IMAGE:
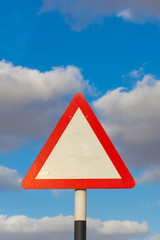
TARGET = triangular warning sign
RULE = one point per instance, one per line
(78, 155)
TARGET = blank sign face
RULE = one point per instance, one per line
(78, 154)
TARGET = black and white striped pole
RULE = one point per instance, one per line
(80, 214)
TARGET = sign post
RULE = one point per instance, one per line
(78, 155)
(80, 214)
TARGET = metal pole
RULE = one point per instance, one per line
(80, 214)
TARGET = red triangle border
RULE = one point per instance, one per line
(79, 101)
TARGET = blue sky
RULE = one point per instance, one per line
(109, 51)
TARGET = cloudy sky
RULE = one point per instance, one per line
(109, 51)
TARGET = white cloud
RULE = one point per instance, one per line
(60, 227)
(137, 74)
(116, 229)
(59, 192)
(9, 179)
(132, 120)
(150, 176)
(20, 86)
(79, 14)
(126, 15)
(156, 237)
(31, 101)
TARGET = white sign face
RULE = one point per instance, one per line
(78, 155)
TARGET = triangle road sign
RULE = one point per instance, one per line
(78, 155)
